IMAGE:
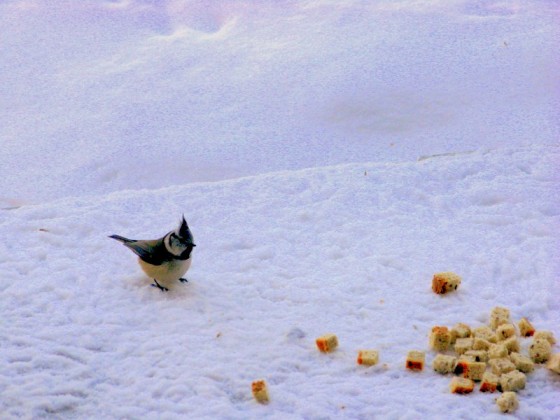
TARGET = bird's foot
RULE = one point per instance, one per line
(182, 280)
(159, 286)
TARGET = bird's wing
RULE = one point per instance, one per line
(151, 251)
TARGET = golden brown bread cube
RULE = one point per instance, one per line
(415, 360)
(470, 369)
(445, 282)
(260, 391)
(489, 382)
(526, 329)
(463, 344)
(368, 357)
(499, 316)
(522, 363)
(460, 330)
(512, 381)
(481, 344)
(545, 335)
(512, 344)
(440, 338)
(497, 351)
(477, 355)
(444, 364)
(554, 363)
(540, 350)
(327, 343)
(461, 385)
(505, 331)
(507, 402)
(501, 366)
(485, 333)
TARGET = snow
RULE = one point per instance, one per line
(329, 156)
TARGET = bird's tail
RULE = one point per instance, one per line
(121, 239)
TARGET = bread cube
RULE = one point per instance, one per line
(512, 344)
(461, 385)
(501, 366)
(481, 344)
(522, 363)
(546, 335)
(499, 316)
(540, 350)
(445, 282)
(260, 391)
(507, 402)
(485, 333)
(478, 355)
(470, 369)
(444, 364)
(554, 363)
(463, 344)
(512, 381)
(460, 330)
(415, 360)
(505, 331)
(368, 357)
(327, 343)
(440, 338)
(489, 382)
(497, 351)
(526, 329)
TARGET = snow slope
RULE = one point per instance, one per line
(100, 96)
(281, 259)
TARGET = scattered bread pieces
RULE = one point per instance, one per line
(489, 382)
(499, 316)
(507, 402)
(526, 329)
(368, 357)
(260, 391)
(440, 338)
(461, 385)
(554, 363)
(327, 343)
(445, 282)
(415, 360)
(444, 364)
(540, 350)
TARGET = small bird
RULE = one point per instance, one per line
(166, 259)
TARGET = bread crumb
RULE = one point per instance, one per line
(415, 360)
(507, 402)
(499, 316)
(327, 343)
(445, 282)
(461, 385)
(526, 329)
(540, 350)
(545, 335)
(512, 381)
(260, 391)
(489, 382)
(554, 363)
(368, 357)
(444, 364)
(440, 338)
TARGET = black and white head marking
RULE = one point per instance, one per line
(179, 242)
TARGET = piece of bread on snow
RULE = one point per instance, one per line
(512, 344)
(461, 385)
(460, 330)
(470, 369)
(440, 338)
(540, 350)
(554, 363)
(477, 355)
(522, 363)
(512, 381)
(499, 316)
(501, 366)
(445, 282)
(481, 344)
(260, 391)
(526, 329)
(368, 357)
(415, 360)
(489, 382)
(507, 402)
(327, 343)
(485, 333)
(444, 364)
(505, 331)
(497, 351)
(463, 344)
(546, 335)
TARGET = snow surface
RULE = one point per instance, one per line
(330, 157)
(281, 259)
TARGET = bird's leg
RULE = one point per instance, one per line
(159, 286)
(183, 280)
